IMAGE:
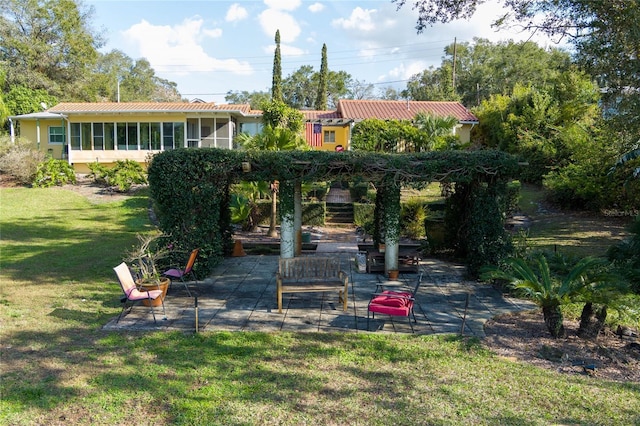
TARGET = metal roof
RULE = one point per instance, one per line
(402, 110)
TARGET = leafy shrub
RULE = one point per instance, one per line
(625, 256)
(412, 216)
(53, 172)
(512, 198)
(19, 160)
(315, 191)
(358, 191)
(123, 175)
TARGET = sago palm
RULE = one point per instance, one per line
(536, 282)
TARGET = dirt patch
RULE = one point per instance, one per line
(523, 337)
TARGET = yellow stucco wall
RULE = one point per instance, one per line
(464, 133)
(342, 138)
(29, 132)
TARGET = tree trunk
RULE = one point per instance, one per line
(553, 320)
(274, 211)
(591, 321)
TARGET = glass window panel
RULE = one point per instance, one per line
(178, 134)
(121, 136)
(108, 136)
(75, 136)
(98, 136)
(86, 136)
(167, 136)
(329, 136)
(132, 136)
(144, 136)
(155, 133)
(56, 134)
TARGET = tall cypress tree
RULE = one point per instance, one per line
(321, 98)
(276, 82)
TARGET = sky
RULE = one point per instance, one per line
(212, 47)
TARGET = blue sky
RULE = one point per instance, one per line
(211, 47)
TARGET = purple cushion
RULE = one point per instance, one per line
(175, 273)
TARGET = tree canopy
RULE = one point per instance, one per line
(48, 45)
(50, 50)
(604, 33)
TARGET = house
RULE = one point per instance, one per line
(84, 133)
(335, 131)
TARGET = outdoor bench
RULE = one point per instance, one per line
(310, 275)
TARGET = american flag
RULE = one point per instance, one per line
(313, 134)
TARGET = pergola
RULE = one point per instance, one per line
(211, 172)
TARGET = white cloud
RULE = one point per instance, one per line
(405, 71)
(360, 20)
(272, 20)
(236, 13)
(283, 4)
(178, 49)
(214, 33)
(316, 7)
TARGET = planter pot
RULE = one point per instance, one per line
(164, 286)
(393, 274)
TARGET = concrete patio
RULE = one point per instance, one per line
(240, 295)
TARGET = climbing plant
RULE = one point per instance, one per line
(190, 188)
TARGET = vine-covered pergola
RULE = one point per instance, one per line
(190, 188)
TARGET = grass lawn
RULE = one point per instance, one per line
(572, 233)
(59, 367)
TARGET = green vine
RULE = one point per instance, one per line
(389, 195)
(190, 188)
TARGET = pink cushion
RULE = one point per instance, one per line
(141, 295)
(397, 302)
(391, 310)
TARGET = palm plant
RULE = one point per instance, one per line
(274, 139)
(630, 156)
(244, 208)
(538, 284)
(435, 128)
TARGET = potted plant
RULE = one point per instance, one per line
(144, 258)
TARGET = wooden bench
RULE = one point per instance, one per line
(310, 275)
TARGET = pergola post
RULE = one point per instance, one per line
(297, 216)
(391, 225)
(287, 227)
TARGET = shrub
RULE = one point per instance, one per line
(412, 216)
(358, 191)
(20, 161)
(53, 172)
(123, 175)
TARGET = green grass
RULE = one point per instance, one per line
(59, 367)
(571, 233)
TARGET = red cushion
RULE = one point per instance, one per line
(391, 310)
(397, 302)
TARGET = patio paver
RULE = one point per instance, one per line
(240, 295)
